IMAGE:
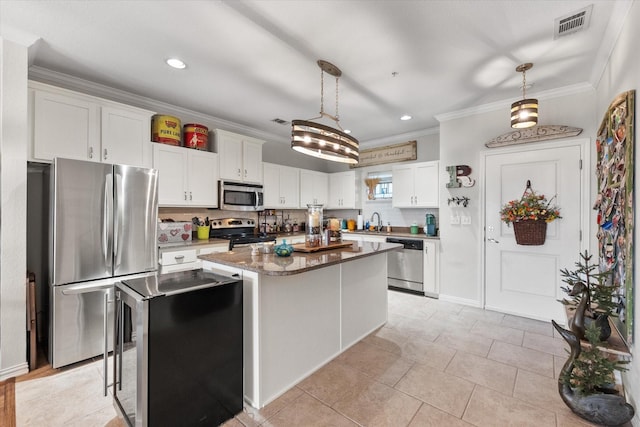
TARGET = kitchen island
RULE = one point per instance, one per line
(303, 310)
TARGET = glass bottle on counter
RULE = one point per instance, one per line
(313, 236)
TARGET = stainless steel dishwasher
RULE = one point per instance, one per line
(406, 266)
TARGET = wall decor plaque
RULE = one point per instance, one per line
(388, 154)
(533, 134)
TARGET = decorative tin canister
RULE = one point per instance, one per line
(196, 136)
(166, 129)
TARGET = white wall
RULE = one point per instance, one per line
(461, 143)
(13, 203)
(622, 74)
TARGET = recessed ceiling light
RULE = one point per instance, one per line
(406, 117)
(176, 63)
(347, 131)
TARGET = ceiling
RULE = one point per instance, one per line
(249, 62)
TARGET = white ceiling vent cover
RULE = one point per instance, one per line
(572, 23)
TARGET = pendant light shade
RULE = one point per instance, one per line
(323, 141)
(524, 113)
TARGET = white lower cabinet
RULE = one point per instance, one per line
(187, 177)
(172, 260)
(432, 268)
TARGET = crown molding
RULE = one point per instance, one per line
(66, 81)
(506, 104)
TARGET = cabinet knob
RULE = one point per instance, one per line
(91, 152)
(105, 154)
(185, 195)
(190, 196)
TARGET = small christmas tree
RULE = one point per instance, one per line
(593, 371)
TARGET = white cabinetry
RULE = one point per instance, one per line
(240, 157)
(187, 177)
(431, 268)
(314, 188)
(416, 185)
(342, 190)
(73, 125)
(172, 259)
(281, 186)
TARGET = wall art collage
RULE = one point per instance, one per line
(615, 203)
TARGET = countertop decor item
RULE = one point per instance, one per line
(530, 215)
(283, 249)
(319, 140)
(524, 113)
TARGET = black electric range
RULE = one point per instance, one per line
(239, 231)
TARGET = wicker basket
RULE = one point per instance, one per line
(530, 232)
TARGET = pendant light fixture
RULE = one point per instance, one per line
(524, 113)
(319, 140)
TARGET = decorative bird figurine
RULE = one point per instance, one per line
(580, 321)
(605, 409)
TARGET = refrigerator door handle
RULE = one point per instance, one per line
(105, 353)
(117, 220)
(107, 221)
(83, 289)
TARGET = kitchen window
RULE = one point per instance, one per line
(384, 189)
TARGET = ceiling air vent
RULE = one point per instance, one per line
(572, 23)
(280, 121)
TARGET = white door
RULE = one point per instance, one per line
(525, 280)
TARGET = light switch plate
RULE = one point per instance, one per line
(455, 219)
(465, 220)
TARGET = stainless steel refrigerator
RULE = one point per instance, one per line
(102, 230)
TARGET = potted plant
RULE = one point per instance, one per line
(591, 297)
(530, 215)
(586, 381)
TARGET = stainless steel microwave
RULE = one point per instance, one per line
(238, 196)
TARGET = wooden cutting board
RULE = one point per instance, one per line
(300, 247)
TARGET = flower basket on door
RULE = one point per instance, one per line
(530, 215)
(530, 232)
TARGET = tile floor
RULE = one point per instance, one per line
(433, 364)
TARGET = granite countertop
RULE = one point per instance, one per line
(297, 262)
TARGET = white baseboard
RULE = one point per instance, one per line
(461, 301)
(14, 371)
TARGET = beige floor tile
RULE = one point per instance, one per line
(309, 412)
(569, 419)
(475, 313)
(388, 339)
(101, 417)
(378, 405)
(333, 381)
(254, 417)
(531, 325)
(233, 422)
(538, 390)
(427, 353)
(444, 391)
(489, 408)
(428, 416)
(408, 326)
(523, 358)
(485, 372)
(375, 362)
(558, 363)
(466, 341)
(498, 332)
(545, 344)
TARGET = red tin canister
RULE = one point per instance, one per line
(196, 136)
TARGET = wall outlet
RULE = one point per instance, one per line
(455, 219)
(465, 220)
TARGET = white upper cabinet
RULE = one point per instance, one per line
(240, 157)
(342, 190)
(281, 186)
(72, 125)
(187, 177)
(416, 185)
(314, 188)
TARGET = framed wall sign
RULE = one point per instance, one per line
(388, 154)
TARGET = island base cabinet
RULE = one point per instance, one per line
(295, 324)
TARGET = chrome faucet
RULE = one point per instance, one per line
(379, 226)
